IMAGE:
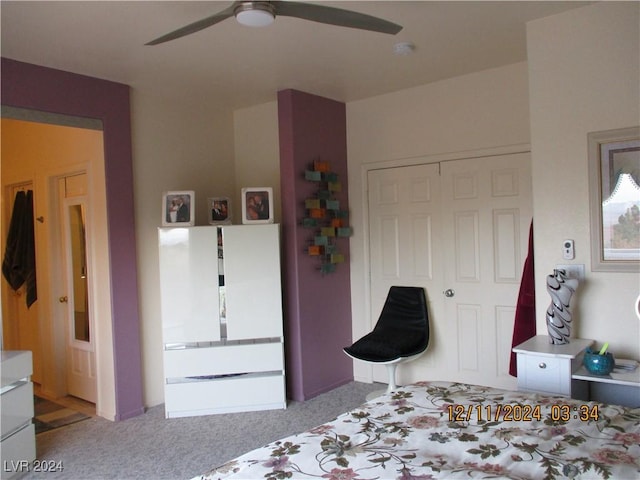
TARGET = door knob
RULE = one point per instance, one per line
(63, 299)
(449, 293)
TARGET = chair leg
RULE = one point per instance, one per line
(391, 370)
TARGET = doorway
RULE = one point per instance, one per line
(41, 154)
(55, 93)
(458, 228)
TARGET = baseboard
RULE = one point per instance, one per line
(326, 388)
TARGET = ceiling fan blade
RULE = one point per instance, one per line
(335, 16)
(195, 26)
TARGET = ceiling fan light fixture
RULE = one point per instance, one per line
(255, 14)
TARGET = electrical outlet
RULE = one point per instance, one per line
(574, 270)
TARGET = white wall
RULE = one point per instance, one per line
(474, 112)
(175, 147)
(257, 153)
(584, 77)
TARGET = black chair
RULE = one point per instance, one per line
(400, 335)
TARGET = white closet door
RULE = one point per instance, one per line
(189, 284)
(252, 281)
(406, 249)
(462, 235)
(487, 212)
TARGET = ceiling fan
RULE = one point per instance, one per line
(262, 13)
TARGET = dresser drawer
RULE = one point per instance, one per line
(18, 451)
(235, 394)
(544, 374)
(223, 360)
(16, 366)
(16, 406)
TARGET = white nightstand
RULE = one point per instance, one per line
(547, 368)
(619, 387)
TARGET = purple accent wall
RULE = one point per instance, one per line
(317, 307)
(40, 88)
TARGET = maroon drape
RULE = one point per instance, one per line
(524, 326)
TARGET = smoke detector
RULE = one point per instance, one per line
(403, 48)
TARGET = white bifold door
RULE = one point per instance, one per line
(459, 229)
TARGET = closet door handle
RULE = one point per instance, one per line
(449, 293)
(63, 299)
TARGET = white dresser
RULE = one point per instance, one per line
(16, 404)
(222, 319)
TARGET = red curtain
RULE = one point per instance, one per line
(524, 326)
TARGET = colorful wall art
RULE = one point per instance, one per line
(324, 216)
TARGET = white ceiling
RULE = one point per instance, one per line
(232, 66)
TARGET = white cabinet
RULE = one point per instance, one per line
(252, 281)
(16, 404)
(222, 319)
(189, 284)
(547, 368)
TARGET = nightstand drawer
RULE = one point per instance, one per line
(544, 374)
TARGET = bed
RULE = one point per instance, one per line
(453, 430)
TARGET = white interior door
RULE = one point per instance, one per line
(487, 210)
(21, 330)
(459, 229)
(76, 301)
(406, 249)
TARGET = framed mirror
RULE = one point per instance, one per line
(79, 310)
(614, 192)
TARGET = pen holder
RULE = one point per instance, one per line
(598, 364)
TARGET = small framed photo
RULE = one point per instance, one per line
(219, 210)
(257, 205)
(178, 208)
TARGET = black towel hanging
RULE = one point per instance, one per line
(19, 263)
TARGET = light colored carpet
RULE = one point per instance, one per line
(152, 447)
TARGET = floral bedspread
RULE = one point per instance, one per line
(453, 430)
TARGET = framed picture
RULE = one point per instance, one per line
(219, 210)
(257, 205)
(614, 194)
(178, 208)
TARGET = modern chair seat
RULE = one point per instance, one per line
(400, 335)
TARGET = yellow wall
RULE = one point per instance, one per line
(28, 147)
(37, 153)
